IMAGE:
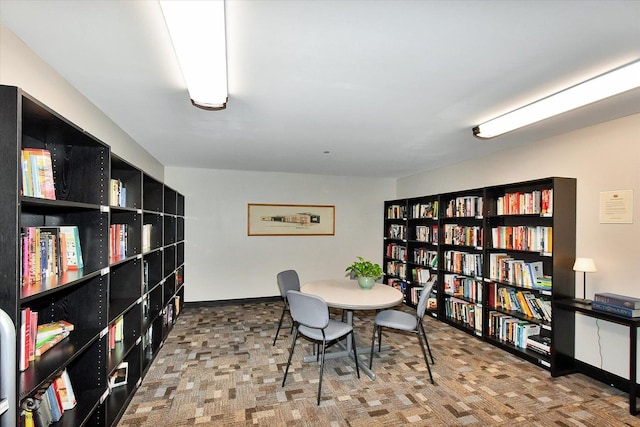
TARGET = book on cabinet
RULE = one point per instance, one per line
(74, 281)
(502, 255)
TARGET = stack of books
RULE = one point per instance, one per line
(620, 305)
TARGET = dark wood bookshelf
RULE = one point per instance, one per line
(106, 288)
(465, 213)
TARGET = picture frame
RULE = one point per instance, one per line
(290, 220)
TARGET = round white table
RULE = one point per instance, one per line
(347, 295)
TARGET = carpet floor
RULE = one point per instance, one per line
(218, 368)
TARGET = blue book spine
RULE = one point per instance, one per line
(614, 309)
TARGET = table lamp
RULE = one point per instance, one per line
(585, 265)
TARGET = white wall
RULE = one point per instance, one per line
(223, 263)
(21, 67)
(602, 158)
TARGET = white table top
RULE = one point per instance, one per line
(347, 294)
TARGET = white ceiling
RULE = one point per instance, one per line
(389, 88)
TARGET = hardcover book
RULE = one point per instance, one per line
(615, 309)
(615, 299)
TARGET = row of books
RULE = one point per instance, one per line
(620, 305)
(37, 174)
(35, 340)
(398, 252)
(526, 303)
(116, 332)
(523, 238)
(397, 231)
(414, 294)
(48, 251)
(537, 202)
(49, 403)
(118, 241)
(398, 269)
(424, 256)
(468, 206)
(512, 330)
(396, 212)
(469, 264)
(462, 235)
(425, 210)
(424, 233)
(421, 275)
(465, 312)
(463, 287)
(504, 268)
(117, 193)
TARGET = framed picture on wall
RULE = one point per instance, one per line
(290, 220)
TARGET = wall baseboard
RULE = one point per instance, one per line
(218, 303)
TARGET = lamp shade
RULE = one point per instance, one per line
(586, 265)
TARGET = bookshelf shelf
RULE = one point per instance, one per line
(481, 270)
(95, 191)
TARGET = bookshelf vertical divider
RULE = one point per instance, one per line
(502, 254)
(126, 295)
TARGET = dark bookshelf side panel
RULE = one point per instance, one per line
(152, 269)
(87, 376)
(155, 222)
(125, 286)
(80, 162)
(180, 254)
(180, 204)
(169, 260)
(83, 306)
(132, 232)
(170, 228)
(121, 395)
(119, 347)
(170, 201)
(180, 229)
(131, 179)
(152, 194)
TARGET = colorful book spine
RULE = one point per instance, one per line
(615, 309)
(620, 300)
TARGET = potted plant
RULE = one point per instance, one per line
(366, 272)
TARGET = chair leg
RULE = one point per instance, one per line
(426, 339)
(279, 325)
(355, 353)
(424, 353)
(324, 345)
(379, 339)
(373, 342)
(293, 345)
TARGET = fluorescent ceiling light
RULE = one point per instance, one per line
(198, 34)
(612, 83)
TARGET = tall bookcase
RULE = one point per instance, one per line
(482, 243)
(132, 280)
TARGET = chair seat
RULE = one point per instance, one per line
(397, 320)
(334, 330)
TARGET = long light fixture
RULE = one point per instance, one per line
(197, 31)
(603, 86)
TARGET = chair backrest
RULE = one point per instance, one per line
(424, 296)
(288, 280)
(308, 310)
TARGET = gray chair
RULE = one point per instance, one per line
(310, 315)
(288, 280)
(403, 321)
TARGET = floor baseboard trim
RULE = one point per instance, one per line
(218, 303)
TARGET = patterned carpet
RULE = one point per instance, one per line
(218, 368)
